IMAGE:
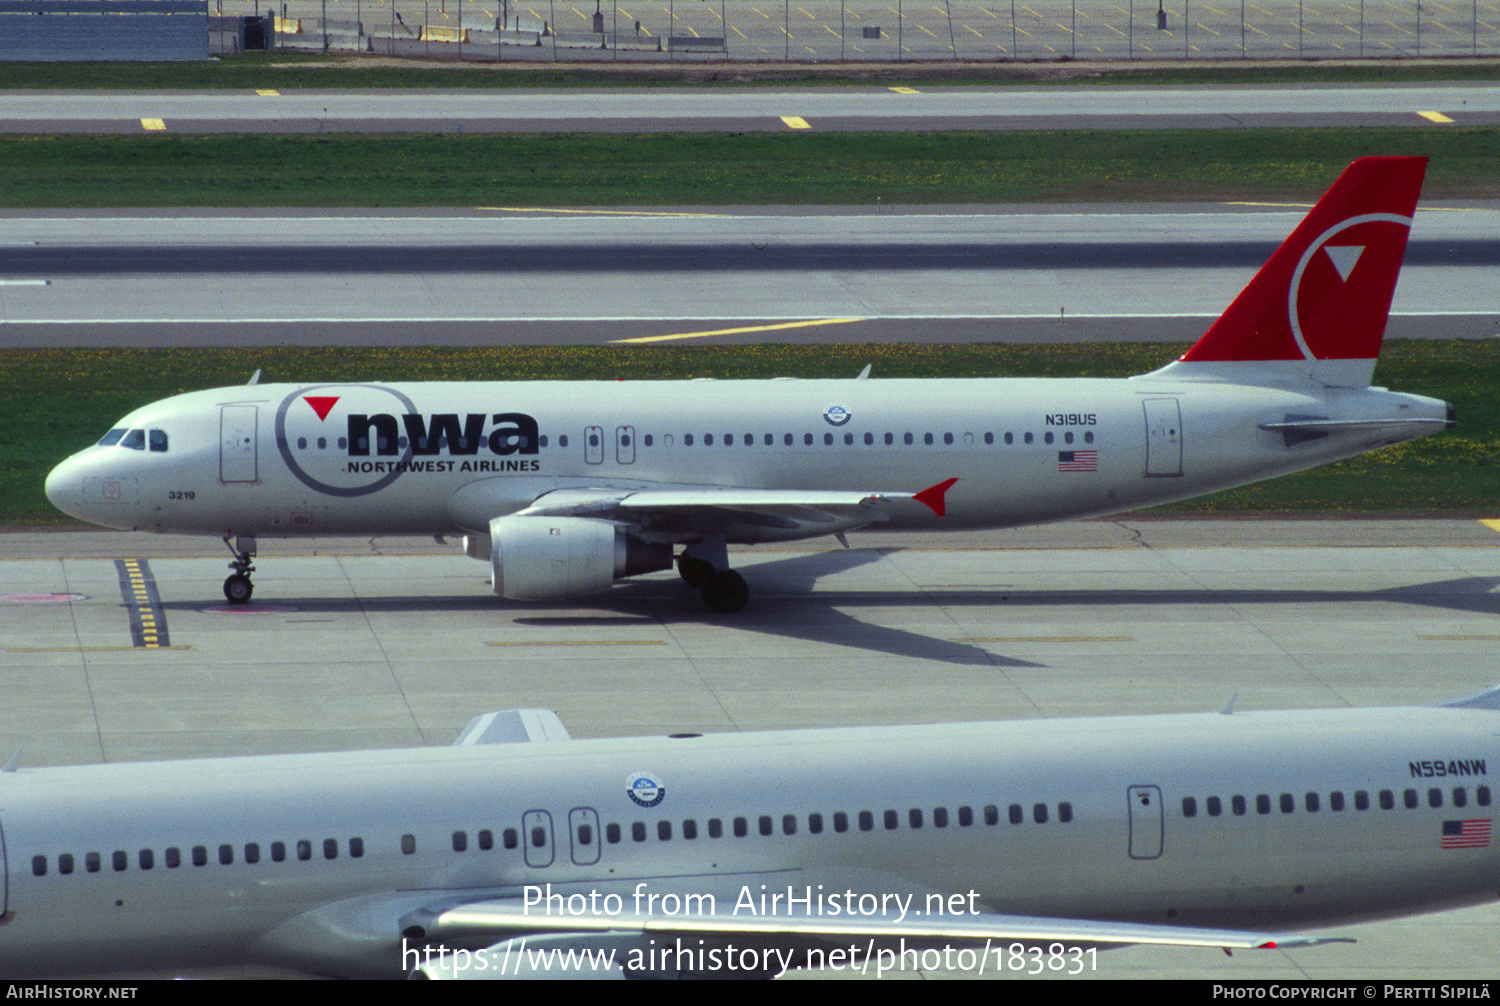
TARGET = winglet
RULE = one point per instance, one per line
(1318, 307)
(932, 496)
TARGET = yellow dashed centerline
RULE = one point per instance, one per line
(1492, 524)
(1045, 639)
(795, 122)
(1459, 638)
(600, 213)
(906, 90)
(736, 331)
(583, 642)
(1434, 116)
(153, 124)
(268, 93)
(86, 649)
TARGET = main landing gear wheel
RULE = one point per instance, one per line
(725, 592)
(238, 588)
(695, 572)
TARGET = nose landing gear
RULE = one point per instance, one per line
(238, 588)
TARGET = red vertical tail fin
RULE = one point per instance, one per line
(1317, 309)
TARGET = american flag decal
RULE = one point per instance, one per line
(1077, 461)
(1466, 834)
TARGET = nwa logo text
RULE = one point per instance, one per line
(442, 433)
(385, 437)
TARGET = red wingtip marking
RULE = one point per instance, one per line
(933, 497)
(321, 404)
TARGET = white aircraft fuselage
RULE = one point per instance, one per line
(1072, 830)
(565, 487)
(259, 461)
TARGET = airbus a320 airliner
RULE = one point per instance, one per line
(518, 852)
(565, 487)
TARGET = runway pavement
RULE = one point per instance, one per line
(356, 643)
(498, 276)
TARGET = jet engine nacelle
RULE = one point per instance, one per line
(536, 558)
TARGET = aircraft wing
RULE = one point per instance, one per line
(781, 512)
(857, 936)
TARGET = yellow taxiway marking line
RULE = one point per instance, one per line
(1492, 524)
(585, 642)
(1434, 116)
(153, 124)
(906, 90)
(1461, 638)
(597, 213)
(795, 122)
(737, 331)
(1045, 639)
(88, 649)
(267, 93)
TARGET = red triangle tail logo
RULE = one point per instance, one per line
(321, 404)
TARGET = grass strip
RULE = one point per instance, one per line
(714, 169)
(58, 401)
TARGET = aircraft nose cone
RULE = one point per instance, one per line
(65, 487)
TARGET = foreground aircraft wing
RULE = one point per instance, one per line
(613, 940)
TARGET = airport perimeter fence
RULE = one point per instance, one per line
(759, 30)
(899, 30)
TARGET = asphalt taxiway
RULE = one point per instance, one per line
(358, 643)
(759, 109)
(507, 276)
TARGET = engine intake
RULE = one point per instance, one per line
(539, 558)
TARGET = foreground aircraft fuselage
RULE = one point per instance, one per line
(564, 487)
(1095, 832)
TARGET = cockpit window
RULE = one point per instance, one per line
(158, 440)
(112, 437)
(135, 440)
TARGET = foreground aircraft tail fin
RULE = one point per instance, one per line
(1317, 309)
(1487, 699)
